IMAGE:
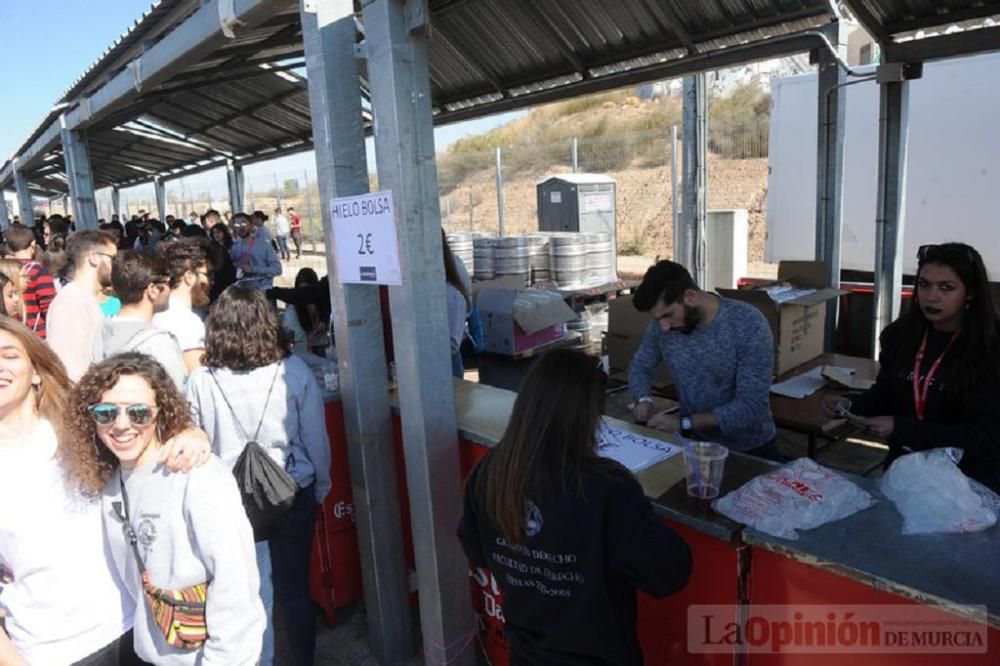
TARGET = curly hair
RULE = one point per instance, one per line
(52, 392)
(242, 332)
(87, 461)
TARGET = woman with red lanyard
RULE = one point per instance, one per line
(939, 378)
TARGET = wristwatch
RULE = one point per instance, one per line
(687, 426)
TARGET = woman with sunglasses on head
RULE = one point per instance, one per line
(63, 599)
(172, 536)
(568, 535)
(939, 376)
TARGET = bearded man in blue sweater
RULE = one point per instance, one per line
(720, 353)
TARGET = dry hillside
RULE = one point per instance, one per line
(641, 171)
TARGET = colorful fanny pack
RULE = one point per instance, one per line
(180, 614)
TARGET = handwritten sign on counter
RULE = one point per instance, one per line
(635, 451)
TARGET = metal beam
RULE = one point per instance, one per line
(396, 34)
(80, 177)
(116, 202)
(160, 190)
(342, 170)
(4, 215)
(695, 168)
(892, 143)
(234, 179)
(771, 48)
(674, 23)
(24, 205)
(831, 120)
(968, 42)
(199, 35)
(935, 20)
(869, 22)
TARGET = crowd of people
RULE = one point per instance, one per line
(137, 363)
(140, 363)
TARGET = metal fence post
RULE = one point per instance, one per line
(500, 211)
(396, 41)
(674, 203)
(576, 155)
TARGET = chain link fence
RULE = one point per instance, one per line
(639, 162)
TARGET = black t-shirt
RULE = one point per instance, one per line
(569, 587)
(969, 419)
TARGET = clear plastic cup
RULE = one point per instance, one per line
(704, 463)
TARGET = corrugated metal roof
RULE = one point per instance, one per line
(485, 56)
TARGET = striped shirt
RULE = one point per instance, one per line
(39, 290)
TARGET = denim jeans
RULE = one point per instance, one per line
(283, 247)
(291, 550)
(457, 368)
(267, 598)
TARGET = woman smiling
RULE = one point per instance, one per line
(181, 543)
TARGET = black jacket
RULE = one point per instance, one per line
(968, 420)
(569, 590)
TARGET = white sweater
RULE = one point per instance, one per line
(66, 601)
(192, 528)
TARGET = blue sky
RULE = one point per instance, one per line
(46, 45)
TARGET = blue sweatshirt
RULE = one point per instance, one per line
(724, 368)
(257, 264)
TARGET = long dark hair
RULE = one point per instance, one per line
(976, 351)
(550, 440)
(306, 276)
(242, 332)
(227, 240)
(451, 274)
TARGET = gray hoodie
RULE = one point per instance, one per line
(191, 528)
(119, 335)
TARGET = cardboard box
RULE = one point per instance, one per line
(797, 323)
(626, 328)
(519, 320)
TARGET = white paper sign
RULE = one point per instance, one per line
(555, 196)
(364, 235)
(597, 201)
(634, 451)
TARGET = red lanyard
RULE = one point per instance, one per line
(920, 389)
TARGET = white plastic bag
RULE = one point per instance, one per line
(800, 495)
(934, 495)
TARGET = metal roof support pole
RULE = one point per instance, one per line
(396, 41)
(79, 176)
(890, 202)
(4, 214)
(160, 190)
(695, 180)
(832, 106)
(234, 177)
(328, 33)
(25, 208)
(116, 202)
